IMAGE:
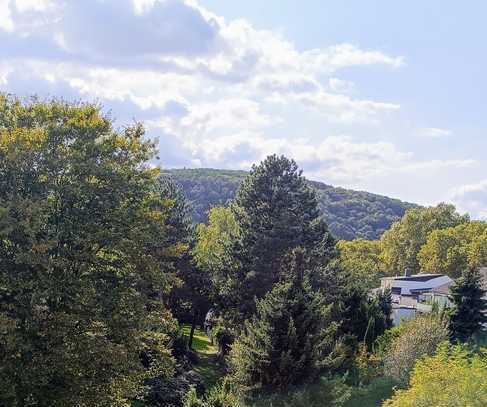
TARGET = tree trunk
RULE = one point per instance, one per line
(193, 327)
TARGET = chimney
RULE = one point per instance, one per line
(407, 272)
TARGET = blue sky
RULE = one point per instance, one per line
(374, 95)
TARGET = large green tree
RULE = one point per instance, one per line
(402, 242)
(84, 258)
(469, 311)
(276, 211)
(452, 250)
(291, 337)
(361, 261)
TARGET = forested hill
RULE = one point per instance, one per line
(349, 214)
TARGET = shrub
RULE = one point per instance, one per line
(224, 338)
(221, 395)
(418, 337)
(325, 392)
(452, 377)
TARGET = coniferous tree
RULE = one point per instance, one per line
(276, 211)
(469, 312)
(290, 338)
(363, 317)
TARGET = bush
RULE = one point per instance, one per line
(368, 366)
(326, 392)
(418, 337)
(224, 338)
(452, 377)
(221, 395)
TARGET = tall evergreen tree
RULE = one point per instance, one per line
(469, 312)
(276, 211)
(290, 339)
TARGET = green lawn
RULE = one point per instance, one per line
(207, 365)
(201, 343)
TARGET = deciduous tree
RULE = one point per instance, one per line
(452, 250)
(84, 258)
(402, 242)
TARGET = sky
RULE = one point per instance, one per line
(382, 96)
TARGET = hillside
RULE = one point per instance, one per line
(349, 214)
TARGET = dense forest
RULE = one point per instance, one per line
(349, 214)
(111, 296)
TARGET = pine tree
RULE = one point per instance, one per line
(290, 339)
(276, 211)
(469, 312)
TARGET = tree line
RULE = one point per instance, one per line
(349, 214)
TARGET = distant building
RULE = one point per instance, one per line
(416, 293)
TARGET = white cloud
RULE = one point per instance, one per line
(342, 108)
(345, 55)
(216, 92)
(341, 86)
(6, 22)
(472, 198)
(32, 5)
(434, 132)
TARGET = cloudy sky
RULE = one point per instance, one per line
(376, 95)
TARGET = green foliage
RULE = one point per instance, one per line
(449, 251)
(364, 317)
(469, 311)
(361, 261)
(276, 211)
(383, 343)
(85, 255)
(349, 214)
(290, 339)
(452, 377)
(221, 395)
(368, 366)
(213, 255)
(403, 241)
(417, 337)
(373, 394)
(323, 393)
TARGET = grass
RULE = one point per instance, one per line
(207, 365)
(201, 343)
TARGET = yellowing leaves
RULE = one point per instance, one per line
(21, 139)
(452, 377)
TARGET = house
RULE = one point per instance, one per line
(413, 293)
